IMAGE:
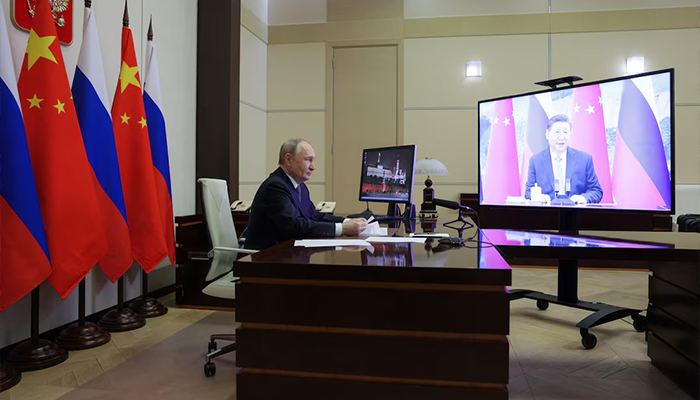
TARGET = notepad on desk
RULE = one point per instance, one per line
(330, 242)
(373, 229)
(398, 239)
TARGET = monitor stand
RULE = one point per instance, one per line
(567, 291)
(393, 212)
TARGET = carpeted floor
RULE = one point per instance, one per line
(171, 369)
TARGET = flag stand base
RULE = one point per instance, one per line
(122, 319)
(83, 335)
(145, 306)
(77, 337)
(9, 377)
(35, 353)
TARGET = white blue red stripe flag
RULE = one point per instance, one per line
(153, 101)
(24, 250)
(91, 104)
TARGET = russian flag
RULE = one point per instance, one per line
(640, 178)
(153, 102)
(24, 250)
(91, 105)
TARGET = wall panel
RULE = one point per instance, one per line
(602, 5)
(285, 12)
(459, 8)
(296, 76)
(308, 125)
(253, 69)
(687, 145)
(434, 68)
(595, 56)
(449, 136)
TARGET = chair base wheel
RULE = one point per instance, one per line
(639, 322)
(588, 340)
(542, 305)
(209, 369)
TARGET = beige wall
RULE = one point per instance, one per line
(253, 103)
(518, 42)
(296, 98)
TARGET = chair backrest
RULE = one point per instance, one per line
(219, 222)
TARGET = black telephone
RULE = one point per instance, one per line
(452, 241)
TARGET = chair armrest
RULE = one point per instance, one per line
(231, 249)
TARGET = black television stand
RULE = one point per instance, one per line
(567, 292)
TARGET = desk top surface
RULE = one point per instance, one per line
(429, 262)
(651, 246)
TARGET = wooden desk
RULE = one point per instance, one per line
(408, 321)
(673, 314)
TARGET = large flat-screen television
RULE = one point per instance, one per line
(599, 145)
(387, 174)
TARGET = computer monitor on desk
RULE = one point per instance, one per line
(387, 177)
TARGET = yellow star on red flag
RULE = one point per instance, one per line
(125, 119)
(38, 47)
(60, 106)
(127, 76)
(143, 122)
(35, 102)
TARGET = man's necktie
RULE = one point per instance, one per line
(299, 193)
(559, 175)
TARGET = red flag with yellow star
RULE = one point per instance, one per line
(64, 179)
(135, 163)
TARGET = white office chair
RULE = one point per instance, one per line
(220, 281)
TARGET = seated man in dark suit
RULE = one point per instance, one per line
(559, 163)
(282, 208)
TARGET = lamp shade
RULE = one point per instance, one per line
(429, 166)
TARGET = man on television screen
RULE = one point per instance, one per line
(561, 171)
(282, 208)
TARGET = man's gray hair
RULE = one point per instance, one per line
(291, 146)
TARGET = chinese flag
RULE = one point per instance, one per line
(588, 134)
(64, 179)
(135, 163)
(501, 177)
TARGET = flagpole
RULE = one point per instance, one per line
(82, 335)
(147, 307)
(9, 377)
(35, 353)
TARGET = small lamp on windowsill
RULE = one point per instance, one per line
(429, 166)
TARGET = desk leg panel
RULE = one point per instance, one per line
(458, 311)
(676, 301)
(674, 365)
(380, 355)
(253, 386)
(674, 332)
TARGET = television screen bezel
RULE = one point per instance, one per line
(671, 211)
(413, 172)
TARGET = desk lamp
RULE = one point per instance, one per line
(429, 166)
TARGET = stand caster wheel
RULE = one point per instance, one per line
(588, 340)
(639, 322)
(209, 369)
(211, 347)
(542, 305)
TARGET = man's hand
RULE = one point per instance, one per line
(578, 199)
(353, 227)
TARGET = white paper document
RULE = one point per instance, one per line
(374, 229)
(330, 242)
(398, 239)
